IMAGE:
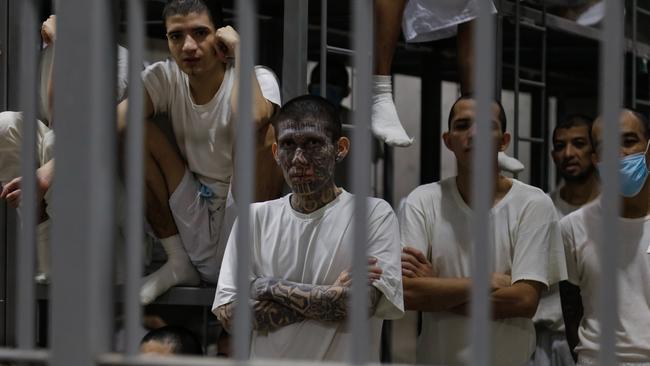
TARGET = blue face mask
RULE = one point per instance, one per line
(633, 171)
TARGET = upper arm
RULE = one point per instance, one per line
(413, 225)
(538, 252)
(123, 111)
(383, 244)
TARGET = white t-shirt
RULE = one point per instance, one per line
(549, 311)
(436, 220)
(314, 249)
(430, 20)
(579, 230)
(204, 133)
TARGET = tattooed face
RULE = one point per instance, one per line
(306, 155)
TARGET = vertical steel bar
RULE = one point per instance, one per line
(295, 37)
(244, 170)
(515, 147)
(81, 304)
(323, 48)
(26, 251)
(633, 92)
(362, 26)
(482, 187)
(134, 177)
(546, 166)
(611, 79)
(4, 52)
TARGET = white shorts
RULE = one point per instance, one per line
(199, 214)
(430, 20)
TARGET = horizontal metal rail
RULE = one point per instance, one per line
(531, 25)
(9, 354)
(533, 83)
(535, 140)
(340, 51)
(116, 359)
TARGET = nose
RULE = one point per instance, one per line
(570, 151)
(299, 157)
(189, 44)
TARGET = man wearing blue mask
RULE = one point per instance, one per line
(579, 231)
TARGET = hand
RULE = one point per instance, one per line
(227, 43)
(415, 264)
(374, 273)
(261, 288)
(12, 192)
(500, 280)
(48, 30)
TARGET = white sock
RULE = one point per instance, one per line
(509, 164)
(43, 252)
(177, 271)
(385, 123)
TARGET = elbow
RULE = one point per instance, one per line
(527, 306)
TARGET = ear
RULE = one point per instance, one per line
(445, 139)
(342, 148)
(274, 150)
(595, 159)
(504, 142)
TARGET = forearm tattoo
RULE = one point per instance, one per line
(319, 302)
(269, 316)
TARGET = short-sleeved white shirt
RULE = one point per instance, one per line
(430, 20)
(579, 231)
(549, 310)
(436, 220)
(314, 249)
(204, 133)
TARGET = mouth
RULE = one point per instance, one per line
(190, 60)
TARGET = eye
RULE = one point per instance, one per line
(579, 144)
(461, 125)
(174, 36)
(200, 33)
(558, 146)
(287, 144)
(313, 143)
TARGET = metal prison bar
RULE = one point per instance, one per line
(81, 300)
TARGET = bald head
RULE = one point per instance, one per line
(635, 132)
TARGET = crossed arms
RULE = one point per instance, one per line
(277, 303)
(423, 291)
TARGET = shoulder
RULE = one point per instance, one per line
(426, 193)
(379, 207)
(9, 116)
(167, 69)
(261, 209)
(578, 219)
(526, 194)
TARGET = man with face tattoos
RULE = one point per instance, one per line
(301, 248)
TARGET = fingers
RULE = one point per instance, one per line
(411, 268)
(408, 273)
(416, 253)
(13, 185)
(227, 41)
(374, 273)
(13, 198)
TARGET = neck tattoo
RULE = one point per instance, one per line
(310, 202)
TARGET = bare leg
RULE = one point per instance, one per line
(386, 125)
(164, 172)
(388, 22)
(465, 56)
